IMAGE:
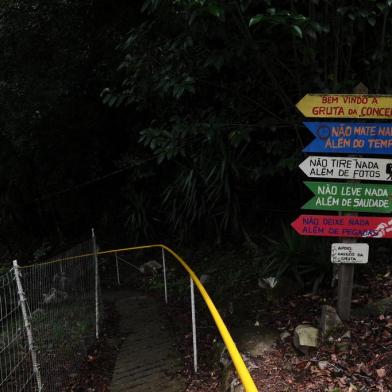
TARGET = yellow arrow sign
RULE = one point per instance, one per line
(346, 106)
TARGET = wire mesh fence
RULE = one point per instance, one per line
(16, 370)
(47, 321)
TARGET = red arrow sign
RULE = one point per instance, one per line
(344, 226)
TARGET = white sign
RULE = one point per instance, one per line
(347, 168)
(349, 253)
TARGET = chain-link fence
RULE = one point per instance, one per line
(48, 320)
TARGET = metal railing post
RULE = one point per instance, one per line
(27, 324)
(164, 273)
(117, 268)
(235, 355)
(193, 326)
(96, 284)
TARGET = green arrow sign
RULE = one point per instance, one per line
(338, 196)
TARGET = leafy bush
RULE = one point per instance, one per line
(305, 259)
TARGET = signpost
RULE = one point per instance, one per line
(337, 196)
(354, 138)
(348, 168)
(362, 138)
(346, 106)
(344, 226)
(347, 253)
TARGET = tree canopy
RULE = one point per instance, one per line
(168, 118)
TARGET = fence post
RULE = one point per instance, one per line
(96, 284)
(117, 269)
(164, 273)
(194, 326)
(27, 324)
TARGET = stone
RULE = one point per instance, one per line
(347, 335)
(374, 309)
(250, 364)
(230, 381)
(330, 320)
(305, 336)
(342, 347)
(255, 340)
(224, 358)
(236, 386)
(228, 374)
(323, 365)
(284, 335)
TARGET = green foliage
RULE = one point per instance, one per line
(307, 260)
(216, 83)
(43, 251)
(281, 18)
(56, 57)
(196, 117)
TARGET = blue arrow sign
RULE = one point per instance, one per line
(355, 138)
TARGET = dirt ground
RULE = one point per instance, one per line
(361, 361)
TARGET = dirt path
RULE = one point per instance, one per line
(147, 359)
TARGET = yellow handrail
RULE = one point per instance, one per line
(238, 362)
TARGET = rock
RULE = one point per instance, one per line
(151, 266)
(305, 336)
(230, 381)
(220, 354)
(284, 335)
(323, 365)
(250, 364)
(330, 320)
(255, 340)
(342, 347)
(374, 309)
(224, 358)
(236, 386)
(227, 376)
(347, 335)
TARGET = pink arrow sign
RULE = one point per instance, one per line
(344, 226)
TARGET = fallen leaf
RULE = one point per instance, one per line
(381, 372)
